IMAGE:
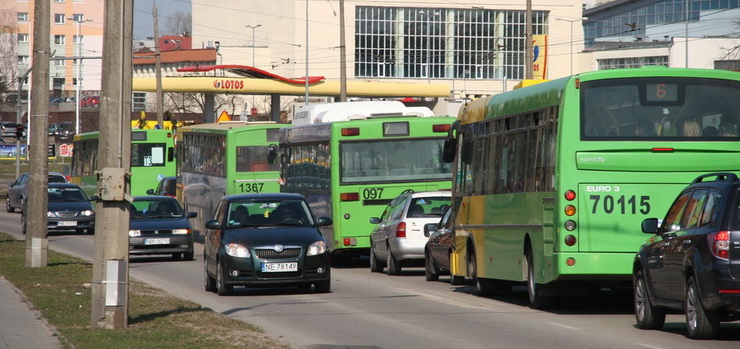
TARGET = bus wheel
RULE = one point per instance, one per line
(375, 266)
(430, 271)
(536, 299)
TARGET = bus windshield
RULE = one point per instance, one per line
(665, 108)
(393, 160)
(148, 154)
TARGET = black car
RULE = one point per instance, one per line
(158, 225)
(692, 263)
(167, 186)
(438, 248)
(69, 209)
(265, 239)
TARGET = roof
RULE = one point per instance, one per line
(176, 56)
(264, 196)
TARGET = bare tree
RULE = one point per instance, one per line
(180, 23)
(8, 49)
(190, 102)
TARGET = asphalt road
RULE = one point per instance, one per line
(370, 310)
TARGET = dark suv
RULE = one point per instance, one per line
(692, 263)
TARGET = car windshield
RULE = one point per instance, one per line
(258, 213)
(429, 207)
(155, 209)
(57, 179)
(66, 194)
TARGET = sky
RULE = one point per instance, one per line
(144, 20)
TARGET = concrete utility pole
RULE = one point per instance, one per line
(34, 212)
(343, 54)
(529, 55)
(158, 68)
(110, 260)
(19, 121)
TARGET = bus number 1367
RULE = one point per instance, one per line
(251, 187)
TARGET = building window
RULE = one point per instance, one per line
(59, 18)
(58, 1)
(78, 39)
(59, 40)
(631, 62)
(139, 101)
(59, 62)
(22, 16)
(23, 59)
(74, 81)
(78, 17)
(22, 37)
(438, 43)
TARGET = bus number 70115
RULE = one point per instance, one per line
(620, 204)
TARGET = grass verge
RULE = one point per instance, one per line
(61, 293)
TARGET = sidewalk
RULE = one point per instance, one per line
(20, 327)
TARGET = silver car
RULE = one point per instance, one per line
(18, 191)
(398, 239)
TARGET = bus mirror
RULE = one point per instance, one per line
(448, 152)
(271, 153)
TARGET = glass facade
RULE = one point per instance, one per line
(631, 62)
(438, 43)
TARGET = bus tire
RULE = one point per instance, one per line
(431, 272)
(700, 322)
(393, 265)
(375, 266)
(648, 316)
(536, 299)
(208, 281)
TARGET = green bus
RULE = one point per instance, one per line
(350, 170)
(552, 181)
(224, 158)
(152, 158)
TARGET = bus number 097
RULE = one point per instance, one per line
(372, 193)
(620, 204)
(251, 187)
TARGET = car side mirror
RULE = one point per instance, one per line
(214, 224)
(374, 220)
(650, 226)
(192, 214)
(150, 192)
(324, 221)
(429, 228)
(93, 198)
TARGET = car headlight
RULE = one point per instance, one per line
(316, 248)
(50, 214)
(87, 213)
(236, 250)
(180, 231)
(134, 233)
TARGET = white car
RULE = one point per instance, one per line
(398, 239)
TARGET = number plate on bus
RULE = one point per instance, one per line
(159, 241)
(67, 224)
(278, 267)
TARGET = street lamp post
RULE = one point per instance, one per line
(78, 59)
(571, 39)
(253, 27)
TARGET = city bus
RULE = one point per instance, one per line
(350, 170)
(228, 157)
(552, 181)
(152, 158)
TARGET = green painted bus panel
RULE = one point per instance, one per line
(647, 160)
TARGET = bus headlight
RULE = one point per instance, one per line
(316, 248)
(236, 250)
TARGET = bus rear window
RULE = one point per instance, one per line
(147, 154)
(675, 109)
(253, 159)
(393, 161)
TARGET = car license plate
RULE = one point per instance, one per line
(67, 224)
(278, 267)
(159, 241)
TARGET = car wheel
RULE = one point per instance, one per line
(431, 273)
(536, 299)
(375, 266)
(176, 256)
(322, 286)
(221, 287)
(7, 205)
(701, 323)
(23, 201)
(394, 267)
(23, 224)
(90, 231)
(648, 316)
(208, 281)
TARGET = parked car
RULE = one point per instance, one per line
(8, 129)
(69, 209)
(438, 248)
(398, 238)
(158, 225)
(18, 191)
(167, 186)
(692, 261)
(265, 239)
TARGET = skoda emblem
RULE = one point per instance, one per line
(278, 248)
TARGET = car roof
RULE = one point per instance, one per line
(64, 185)
(153, 197)
(423, 194)
(264, 196)
(715, 180)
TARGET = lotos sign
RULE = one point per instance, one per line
(229, 84)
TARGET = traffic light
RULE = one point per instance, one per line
(20, 130)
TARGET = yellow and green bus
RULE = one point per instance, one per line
(350, 170)
(552, 181)
(152, 158)
(217, 159)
